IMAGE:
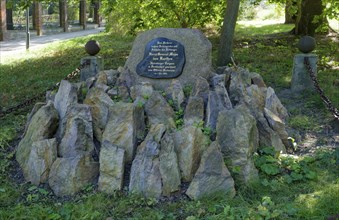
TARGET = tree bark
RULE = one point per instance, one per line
(307, 23)
(227, 33)
(3, 25)
(82, 16)
(9, 19)
(37, 18)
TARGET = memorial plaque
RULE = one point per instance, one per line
(163, 58)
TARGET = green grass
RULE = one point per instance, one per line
(272, 198)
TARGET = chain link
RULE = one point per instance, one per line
(326, 100)
(28, 102)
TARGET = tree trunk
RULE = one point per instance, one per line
(227, 33)
(82, 15)
(9, 19)
(3, 28)
(307, 22)
(37, 18)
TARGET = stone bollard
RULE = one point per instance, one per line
(301, 79)
(95, 63)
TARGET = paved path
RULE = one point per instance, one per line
(17, 46)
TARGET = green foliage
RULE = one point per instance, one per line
(130, 17)
(290, 168)
(179, 118)
(208, 131)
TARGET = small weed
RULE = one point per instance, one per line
(179, 118)
(289, 168)
(187, 90)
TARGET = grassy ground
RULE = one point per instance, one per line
(307, 188)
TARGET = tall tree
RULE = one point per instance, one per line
(310, 17)
(227, 32)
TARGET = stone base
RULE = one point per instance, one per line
(301, 79)
(96, 64)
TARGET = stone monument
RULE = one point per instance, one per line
(136, 129)
(159, 54)
(301, 79)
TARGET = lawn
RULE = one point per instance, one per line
(304, 188)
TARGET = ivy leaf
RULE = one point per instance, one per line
(270, 169)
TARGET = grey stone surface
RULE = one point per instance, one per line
(190, 142)
(197, 51)
(194, 112)
(95, 64)
(218, 101)
(41, 158)
(159, 111)
(112, 166)
(212, 179)
(66, 96)
(99, 103)
(42, 126)
(78, 137)
(143, 90)
(121, 128)
(273, 104)
(277, 125)
(145, 176)
(201, 88)
(301, 79)
(238, 137)
(175, 92)
(267, 136)
(169, 167)
(70, 175)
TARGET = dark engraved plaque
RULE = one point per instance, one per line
(163, 59)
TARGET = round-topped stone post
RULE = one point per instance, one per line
(301, 79)
(94, 63)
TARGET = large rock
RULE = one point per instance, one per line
(217, 101)
(41, 158)
(267, 136)
(169, 167)
(143, 90)
(159, 111)
(145, 172)
(256, 100)
(66, 96)
(42, 126)
(197, 52)
(112, 162)
(78, 136)
(122, 127)
(237, 89)
(212, 179)
(70, 175)
(100, 103)
(201, 88)
(176, 94)
(190, 142)
(277, 125)
(273, 104)
(237, 135)
(194, 112)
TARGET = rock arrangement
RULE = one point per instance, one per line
(107, 128)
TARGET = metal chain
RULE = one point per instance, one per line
(326, 100)
(28, 102)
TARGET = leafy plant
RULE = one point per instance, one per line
(179, 118)
(290, 168)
